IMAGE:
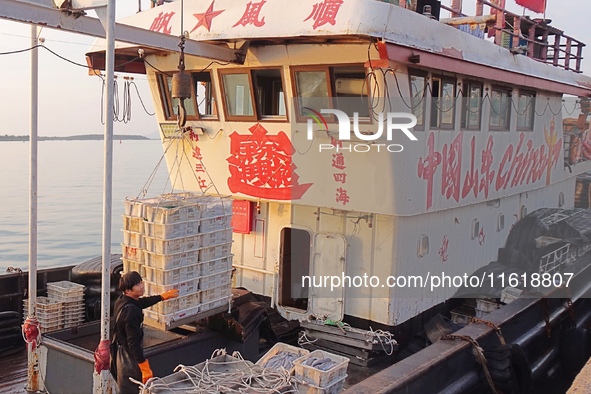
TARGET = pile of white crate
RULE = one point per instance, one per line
(62, 308)
(180, 241)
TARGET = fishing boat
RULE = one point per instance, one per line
(379, 158)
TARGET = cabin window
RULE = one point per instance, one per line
(500, 222)
(204, 94)
(201, 104)
(238, 97)
(443, 94)
(254, 94)
(341, 87)
(294, 264)
(526, 108)
(500, 108)
(269, 93)
(471, 106)
(418, 87)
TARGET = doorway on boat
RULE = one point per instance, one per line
(294, 263)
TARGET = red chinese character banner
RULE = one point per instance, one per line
(261, 165)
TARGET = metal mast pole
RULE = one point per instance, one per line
(31, 326)
(104, 381)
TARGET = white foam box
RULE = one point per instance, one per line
(215, 280)
(185, 287)
(170, 231)
(317, 377)
(208, 253)
(282, 347)
(171, 261)
(169, 277)
(215, 266)
(171, 246)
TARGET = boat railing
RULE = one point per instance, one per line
(523, 35)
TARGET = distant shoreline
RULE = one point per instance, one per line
(92, 137)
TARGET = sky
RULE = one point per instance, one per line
(70, 99)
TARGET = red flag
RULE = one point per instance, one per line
(538, 6)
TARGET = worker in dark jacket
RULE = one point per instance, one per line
(129, 332)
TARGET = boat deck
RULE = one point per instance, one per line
(13, 373)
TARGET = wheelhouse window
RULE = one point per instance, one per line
(238, 96)
(443, 94)
(251, 94)
(471, 105)
(340, 87)
(418, 88)
(526, 108)
(269, 93)
(200, 105)
(500, 108)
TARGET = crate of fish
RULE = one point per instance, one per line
(171, 246)
(224, 301)
(170, 231)
(135, 206)
(134, 239)
(215, 280)
(215, 206)
(216, 237)
(168, 318)
(177, 304)
(132, 223)
(215, 266)
(320, 368)
(172, 211)
(132, 253)
(130, 265)
(215, 223)
(175, 275)
(171, 261)
(185, 287)
(208, 253)
(282, 355)
(334, 388)
(215, 293)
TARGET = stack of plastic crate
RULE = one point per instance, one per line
(172, 242)
(215, 254)
(49, 313)
(133, 245)
(71, 296)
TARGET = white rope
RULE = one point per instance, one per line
(232, 374)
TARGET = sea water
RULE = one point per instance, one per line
(70, 197)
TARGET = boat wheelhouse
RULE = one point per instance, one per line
(490, 145)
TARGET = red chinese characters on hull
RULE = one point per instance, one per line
(261, 166)
(520, 164)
